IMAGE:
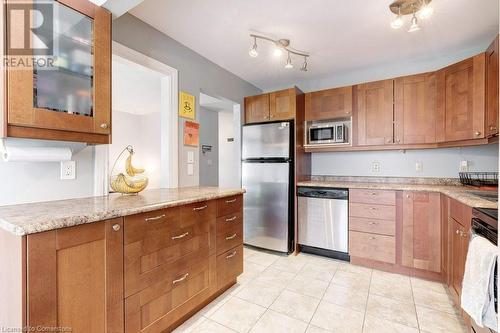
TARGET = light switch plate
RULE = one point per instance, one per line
(68, 170)
(190, 157)
(375, 167)
(419, 167)
(190, 169)
(464, 166)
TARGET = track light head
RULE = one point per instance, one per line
(253, 51)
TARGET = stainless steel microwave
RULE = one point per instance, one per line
(327, 133)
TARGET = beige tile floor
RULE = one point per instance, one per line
(312, 294)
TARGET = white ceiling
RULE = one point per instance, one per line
(341, 35)
(136, 89)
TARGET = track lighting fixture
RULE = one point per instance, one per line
(420, 8)
(281, 45)
(253, 51)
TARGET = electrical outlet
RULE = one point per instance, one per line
(419, 167)
(464, 166)
(375, 167)
(68, 170)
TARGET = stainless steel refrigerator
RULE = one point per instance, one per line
(267, 172)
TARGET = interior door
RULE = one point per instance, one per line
(266, 205)
(375, 113)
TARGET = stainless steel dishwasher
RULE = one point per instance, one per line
(323, 221)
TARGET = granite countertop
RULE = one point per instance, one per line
(460, 193)
(31, 218)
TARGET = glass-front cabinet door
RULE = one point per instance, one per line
(66, 90)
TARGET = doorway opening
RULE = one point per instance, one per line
(144, 113)
(220, 142)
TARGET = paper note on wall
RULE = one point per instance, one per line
(186, 105)
(191, 133)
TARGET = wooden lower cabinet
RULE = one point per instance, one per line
(75, 278)
(141, 273)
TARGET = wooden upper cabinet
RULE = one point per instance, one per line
(415, 109)
(461, 100)
(282, 104)
(70, 100)
(421, 241)
(375, 113)
(75, 278)
(257, 108)
(492, 89)
(329, 104)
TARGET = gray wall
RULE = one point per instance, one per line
(196, 74)
(436, 162)
(24, 182)
(209, 135)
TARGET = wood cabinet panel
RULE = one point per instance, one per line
(75, 278)
(375, 113)
(157, 239)
(257, 108)
(282, 104)
(492, 89)
(229, 205)
(459, 245)
(381, 227)
(461, 100)
(44, 123)
(379, 197)
(421, 236)
(415, 109)
(372, 211)
(229, 266)
(460, 213)
(329, 104)
(155, 308)
(371, 246)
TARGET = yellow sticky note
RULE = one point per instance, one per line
(186, 105)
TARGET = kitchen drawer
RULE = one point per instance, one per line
(229, 205)
(199, 211)
(382, 227)
(378, 197)
(229, 232)
(372, 211)
(150, 224)
(229, 266)
(162, 242)
(157, 307)
(372, 246)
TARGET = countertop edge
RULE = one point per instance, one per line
(453, 192)
(72, 221)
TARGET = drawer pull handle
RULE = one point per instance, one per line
(231, 201)
(373, 208)
(180, 236)
(231, 219)
(371, 238)
(184, 277)
(373, 193)
(231, 237)
(229, 256)
(373, 223)
(154, 218)
(200, 208)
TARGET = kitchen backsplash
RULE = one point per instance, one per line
(442, 163)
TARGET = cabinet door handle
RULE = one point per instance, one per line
(231, 201)
(493, 128)
(477, 133)
(373, 193)
(184, 277)
(104, 126)
(155, 218)
(231, 237)
(229, 256)
(389, 141)
(180, 236)
(231, 219)
(371, 238)
(200, 208)
(457, 232)
(373, 223)
(116, 227)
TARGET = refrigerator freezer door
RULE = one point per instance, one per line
(323, 223)
(266, 205)
(266, 140)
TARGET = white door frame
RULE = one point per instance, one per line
(169, 139)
